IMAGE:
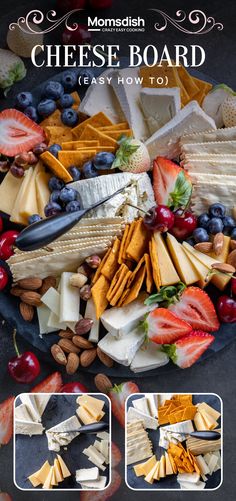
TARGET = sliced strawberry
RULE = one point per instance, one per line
(5, 497)
(118, 395)
(6, 420)
(171, 183)
(51, 384)
(18, 133)
(187, 350)
(162, 326)
(115, 455)
(107, 493)
(195, 307)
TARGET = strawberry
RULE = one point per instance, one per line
(107, 493)
(115, 455)
(171, 184)
(5, 497)
(132, 156)
(118, 395)
(51, 384)
(195, 306)
(228, 108)
(18, 133)
(162, 326)
(6, 420)
(187, 350)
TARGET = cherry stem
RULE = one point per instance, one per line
(138, 208)
(14, 342)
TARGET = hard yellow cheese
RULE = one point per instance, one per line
(29, 205)
(43, 472)
(92, 401)
(65, 472)
(48, 482)
(162, 469)
(150, 476)
(168, 272)
(169, 470)
(201, 269)
(9, 189)
(42, 191)
(34, 480)
(16, 216)
(57, 470)
(181, 261)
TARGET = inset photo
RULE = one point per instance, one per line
(173, 441)
(62, 441)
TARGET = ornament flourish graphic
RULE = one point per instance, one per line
(35, 17)
(198, 18)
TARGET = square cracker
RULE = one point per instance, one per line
(99, 294)
(139, 241)
(76, 145)
(75, 157)
(56, 166)
(98, 120)
(57, 134)
(117, 280)
(53, 120)
(135, 286)
(90, 132)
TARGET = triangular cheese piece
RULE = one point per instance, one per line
(156, 475)
(211, 423)
(65, 472)
(150, 476)
(181, 261)
(48, 482)
(43, 472)
(29, 203)
(168, 273)
(42, 191)
(201, 269)
(9, 189)
(57, 471)
(16, 216)
(34, 479)
(169, 470)
(162, 469)
(53, 480)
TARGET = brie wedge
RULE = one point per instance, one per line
(22, 413)
(148, 357)
(148, 421)
(28, 428)
(57, 440)
(122, 350)
(159, 106)
(120, 321)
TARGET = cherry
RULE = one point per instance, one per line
(74, 387)
(7, 241)
(226, 308)
(159, 218)
(77, 37)
(100, 4)
(25, 367)
(3, 278)
(184, 224)
(1, 224)
(233, 286)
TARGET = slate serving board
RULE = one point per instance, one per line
(32, 452)
(10, 311)
(170, 482)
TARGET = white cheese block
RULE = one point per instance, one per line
(148, 421)
(43, 313)
(41, 402)
(22, 413)
(103, 435)
(69, 300)
(122, 350)
(226, 134)
(128, 95)
(166, 141)
(192, 478)
(152, 404)
(212, 463)
(148, 357)
(100, 483)
(57, 440)
(54, 322)
(30, 402)
(188, 486)
(142, 405)
(101, 97)
(28, 427)
(87, 474)
(93, 453)
(213, 147)
(99, 465)
(9, 189)
(203, 466)
(159, 106)
(52, 300)
(90, 312)
(120, 321)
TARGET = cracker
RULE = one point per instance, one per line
(53, 120)
(111, 264)
(56, 166)
(58, 134)
(204, 88)
(119, 126)
(120, 288)
(123, 243)
(149, 275)
(155, 264)
(117, 134)
(137, 268)
(188, 82)
(76, 157)
(116, 281)
(90, 132)
(136, 286)
(98, 270)
(99, 292)
(75, 145)
(139, 241)
(98, 120)
(77, 100)
(128, 238)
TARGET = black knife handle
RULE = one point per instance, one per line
(93, 427)
(206, 435)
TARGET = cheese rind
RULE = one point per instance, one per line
(120, 321)
(122, 350)
(148, 357)
(159, 106)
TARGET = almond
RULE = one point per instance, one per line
(103, 383)
(67, 346)
(83, 343)
(27, 311)
(31, 297)
(232, 244)
(30, 283)
(72, 363)
(105, 359)
(66, 334)
(223, 267)
(218, 243)
(47, 283)
(87, 357)
(16, 291)
(83, 326)
(232, 258)
(58, 354)
(204, 247)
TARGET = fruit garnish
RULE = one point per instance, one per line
(233, 286)
(74, 387)
(184, 224)
(25, 367)
(6, 420)
(226, 308)
(103, 160)
(217, 210)
(187, 350)
(7, 241)
(212, 103)
(171, 184)
(118, 395)
(51, 384)
(4, 496)
(132, 156)
(18, 133)
(162, 326)
(159, 218)
(12, 69)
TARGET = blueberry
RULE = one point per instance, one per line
(69, 80)
(215, 225)
(54, 148)
(200, 235)
(55, 196)
(24, 99)
(34, 218)
(85, 77)
(73, 206)
(46, 107)
(233, 234)
(66, 101)
(69, 117)
(103, 160)
(190, 241)
(229, 223)
(55, 183)
(217, 210)
(74, 172)
(68, 195)
(31, 112)
(89, 170)
(203, 220)
(53, 90)
(51, 209)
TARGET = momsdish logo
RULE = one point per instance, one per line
(128, 23)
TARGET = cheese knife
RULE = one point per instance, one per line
(89, 428)
(42, 233)
(202, 435)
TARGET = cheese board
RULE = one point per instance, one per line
(175, 261)
(180, 447)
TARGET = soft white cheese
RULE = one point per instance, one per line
(142, 405)
(69, 300)
(148, 421)
(43, 313)
(28, 427)
(22, 413)
(57, 440)
(100, 483)
(159, 106)
(122, 350)
(148, 357)
(87, 474)
(120, 321)
(30, 402)
(90, 312)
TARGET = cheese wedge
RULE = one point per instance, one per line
(57, 471)
(169, 470)
(200, 268)
(148, 465)
(65, 472)
(162, 468)
(156, 475)
(53, 479)
(199, 422)
(150, 476)
(9, 189)
(211, 423)
(85, 416)
(168, 272)
(138, 469)
(42, 191)
(16, 216)
(213, 412)
(29, 203)
(34, 480)
(91, 401)
(183, 265)
(48, 482)
(43, 472)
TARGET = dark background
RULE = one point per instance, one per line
(217, 374)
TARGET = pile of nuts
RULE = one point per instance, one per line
(30, 290)
(85, 274)
(74, 350)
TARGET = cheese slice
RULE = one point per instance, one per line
(152, 404)
(210, 410)
(29, 204)
(42, 191)
(142, 405)
(202, 465)
(48, 482)
(34, 480)
(54, 323)
(201, 269)
(65, 471)
(211, 423)
(93, 453)
(148, 421)
(150, 476)
(199, 422)
(169, 470)
(42, 474)
(90, 312)
(159, 106)
(156, 475)
(43, 313)
(85, 416)
(16, 215)
(69, 300)
(21, 412)
(162, 468)
(122, 350)
(53, 479)
(168, 272)
(192, 478)
(85, 474)
(148, 357)
(99, 465)
(100, 483)
(9, 189)
(41, 402)
(182, 263)
(93, 402)
(198, 486)
(52, 300)
(30, 402)
(57, 471)
(148, 465)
